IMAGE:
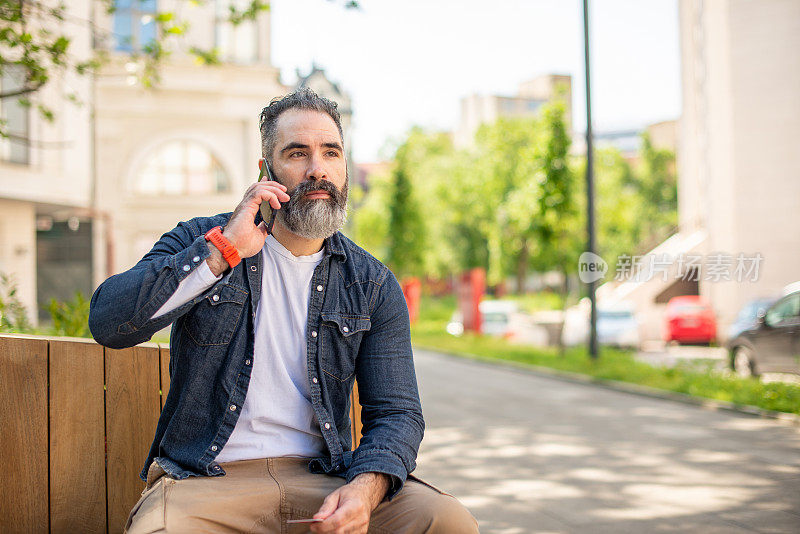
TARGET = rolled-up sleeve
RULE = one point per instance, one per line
(122, 308)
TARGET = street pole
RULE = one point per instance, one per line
(589, 182)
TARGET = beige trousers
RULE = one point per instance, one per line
(260, 495)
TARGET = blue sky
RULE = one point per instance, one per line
(407, 62)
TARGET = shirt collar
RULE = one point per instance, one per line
(334, 246)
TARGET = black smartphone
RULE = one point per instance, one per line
(267, 211)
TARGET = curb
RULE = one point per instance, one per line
(624, 387)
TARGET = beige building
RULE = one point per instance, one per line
(47, 179)
(99, 186)
(738, 161)
(531, 95)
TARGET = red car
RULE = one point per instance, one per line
(690, 319)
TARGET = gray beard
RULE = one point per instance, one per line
(313, 219)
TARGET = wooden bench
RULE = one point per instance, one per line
(77, 423)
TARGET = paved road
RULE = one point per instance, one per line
(527, 453)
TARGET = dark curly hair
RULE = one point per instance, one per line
(303, 98)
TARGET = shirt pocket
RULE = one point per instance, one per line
(339, 343)
(214, 319)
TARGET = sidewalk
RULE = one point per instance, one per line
(528, 453)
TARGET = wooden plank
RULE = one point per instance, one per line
(23, 412)
(77, 437)
(353, 419)
(355, 410)
(132, 408)
(163, 354)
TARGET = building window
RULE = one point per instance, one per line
(15, 117)
(236, 44)
(134, 24)
(182, 168)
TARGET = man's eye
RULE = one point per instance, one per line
(333, 154)
(295, 154)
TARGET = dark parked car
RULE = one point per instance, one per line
(748, 315)
(772, 345)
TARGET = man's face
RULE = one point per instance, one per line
(309, 160)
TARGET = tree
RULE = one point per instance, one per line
(508, 157)
(555, 230)
(406, 232)
(34, 48)
(657, 184)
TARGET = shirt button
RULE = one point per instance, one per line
(253, 268)
(216, 468)
(314, 380)
(314, 333)
(215, 298)
(247, 362)
(186, 267)
(196, 259)
(213, 447)
(233, 407)
(345, 329)
(319, 287)
(327, 426)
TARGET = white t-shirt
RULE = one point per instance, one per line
(277, 418)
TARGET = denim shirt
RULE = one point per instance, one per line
(358, 328)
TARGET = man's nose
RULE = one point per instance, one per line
(316, 169)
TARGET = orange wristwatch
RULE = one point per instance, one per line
(229, 252)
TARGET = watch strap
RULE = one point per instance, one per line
(229, 252)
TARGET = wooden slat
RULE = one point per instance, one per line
(355, 417)
(23, 416)
(163, 354)
(77, 436)
(132, 409)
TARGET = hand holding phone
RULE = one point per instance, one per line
(241, 230)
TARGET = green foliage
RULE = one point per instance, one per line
(370, 219)
(13, 316)
(429, 332)
(406, 232)
(657, 185)
(513, 202)
(70, 318)
(538, 301)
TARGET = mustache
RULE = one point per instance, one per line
(338, 197)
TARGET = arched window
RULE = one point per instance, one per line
(181, 168)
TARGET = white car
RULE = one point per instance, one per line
(616, 325)
(496, 318)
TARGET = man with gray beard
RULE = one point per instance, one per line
(273, 321)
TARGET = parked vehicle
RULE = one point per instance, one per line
(748, 315)
(690, 319)
(618, 327)
(496, 318)
(773, 343)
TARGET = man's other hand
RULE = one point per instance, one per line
(347, 509)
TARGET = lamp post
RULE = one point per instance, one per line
(589, 183)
